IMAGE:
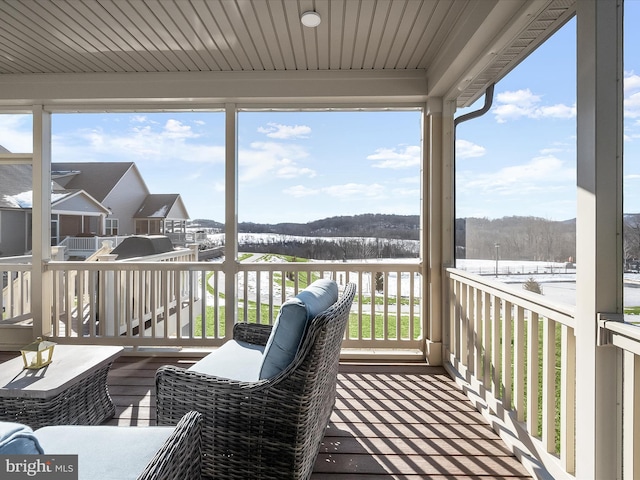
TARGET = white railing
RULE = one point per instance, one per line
(183, 303)
(509, 348)
(86, 246)
(614, 331)
(386, 312)
(15, 280)
(184, 238)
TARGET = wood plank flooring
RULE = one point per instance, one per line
(404, 421)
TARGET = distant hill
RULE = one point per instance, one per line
(406, 227)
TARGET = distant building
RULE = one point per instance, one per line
(119, 186)
(87, 199)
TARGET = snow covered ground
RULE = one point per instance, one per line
(557, 280)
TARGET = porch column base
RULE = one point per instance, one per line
(433, 352)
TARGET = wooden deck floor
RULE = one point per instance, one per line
(391, 421)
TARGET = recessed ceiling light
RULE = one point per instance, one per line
(310, 19)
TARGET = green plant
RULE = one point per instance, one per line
(532, 285)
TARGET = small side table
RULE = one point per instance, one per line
(72, 390)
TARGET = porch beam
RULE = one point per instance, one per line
(598, 232)
(213, 88)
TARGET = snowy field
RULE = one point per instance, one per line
(557, 280)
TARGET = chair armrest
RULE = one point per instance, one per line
(179, 391)
(256, 334)
(180, 456)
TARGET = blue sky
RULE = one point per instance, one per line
(518, 159)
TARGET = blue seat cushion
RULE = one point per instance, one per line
(18, 439)
(105, 452)
(291, 324)
(235, 360)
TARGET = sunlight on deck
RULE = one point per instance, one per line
(400, 421)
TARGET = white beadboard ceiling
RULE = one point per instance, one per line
(466, 44)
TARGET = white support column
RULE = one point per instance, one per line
(41, 223)
(445, 229)
(230, 266)
(598, 232)
(431, 238)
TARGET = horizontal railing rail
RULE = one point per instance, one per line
(615, 331)
(516, 350)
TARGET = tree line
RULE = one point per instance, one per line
(516, 238)
(346, 248)
(396, 236)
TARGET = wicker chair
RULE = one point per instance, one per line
(270, 428)
(141, 453)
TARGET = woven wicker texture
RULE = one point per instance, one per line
(180, 456)
(85, 403)
(272, 428)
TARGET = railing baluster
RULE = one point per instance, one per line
(258, 296)
(477, 333)
(360, 294)
(532, 373)
(486, 340)
(398, 305)
(567, 400)
(507, 353)
(153, 302)
(549, 385)
(464, 318)
(519, 364)
(385, 308)
(412, 279)
(495, 347)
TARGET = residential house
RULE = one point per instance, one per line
(88, 199)
(72, 210)
(119, 186)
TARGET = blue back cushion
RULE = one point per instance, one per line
(291, 323)
(18, 439)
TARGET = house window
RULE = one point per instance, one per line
(111, 226)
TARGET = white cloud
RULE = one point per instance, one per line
(177, 129)
(283, 132)
(299, 191)
(512, 105)
(467, 149)
(344, 191)
(400, 157)
(145, 141)
(541, 174)
(15, 133)
(358, 190)
(264, 160)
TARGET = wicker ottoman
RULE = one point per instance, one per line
(72, 390)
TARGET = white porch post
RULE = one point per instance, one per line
(446, 227)
(432, 226)
(598, 232)
(230, 266)
(41, 222)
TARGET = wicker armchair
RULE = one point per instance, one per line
(140, 453)
(271, 428)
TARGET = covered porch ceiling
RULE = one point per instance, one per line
(69, 54)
